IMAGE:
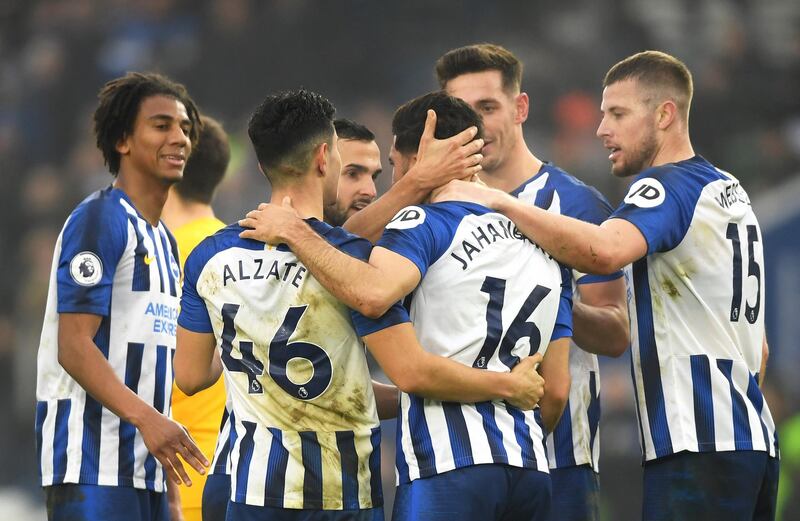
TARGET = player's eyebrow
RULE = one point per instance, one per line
(169, 119)
(356, 166)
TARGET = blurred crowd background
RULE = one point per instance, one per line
(368, 57)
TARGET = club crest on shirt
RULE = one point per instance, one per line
(86, 268)
(408, 217)
(646, 193)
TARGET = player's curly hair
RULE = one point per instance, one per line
(118, 106)
(287, 127)
(452, 116)
(480, 57)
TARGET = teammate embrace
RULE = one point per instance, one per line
(499, 259)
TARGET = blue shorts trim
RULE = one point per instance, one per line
(711, 486)
(576, 494)
(476, 493)
(69, 501)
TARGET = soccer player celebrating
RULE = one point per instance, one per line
(189, 216)
(105, 440)
(699, 350)
(306, 431)
(361, 165)
(481, 460)
(489, 78)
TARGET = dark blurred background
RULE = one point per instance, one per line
(368, 57)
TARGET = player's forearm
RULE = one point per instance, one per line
(602, 330)
(84, 362)
(370, 222)
(356, 283)
(386, 397)
(174, 501)
(197, 363)
(440, 378)
(583, 246)
(555, 370)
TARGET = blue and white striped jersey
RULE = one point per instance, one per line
(575, 440)
(488, 296)
(697, 313)
(108, 261)
(305, 431)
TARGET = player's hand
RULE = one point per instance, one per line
(165, 439)
(529, 384)
(441, 160)
(270, 223)
(473, 192)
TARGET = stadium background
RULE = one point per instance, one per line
(368, 57)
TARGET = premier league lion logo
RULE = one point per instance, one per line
(86, 268)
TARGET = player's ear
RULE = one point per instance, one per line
(666, 113)
(522, 107)
(321, 158)
(123, 147)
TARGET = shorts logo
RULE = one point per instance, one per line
(86, 268)
(408, 217)
(646, 193)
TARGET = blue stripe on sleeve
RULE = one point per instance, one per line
(364, 326)
(312, 463)
(703, 403)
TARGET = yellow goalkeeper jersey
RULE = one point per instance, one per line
(201, 414)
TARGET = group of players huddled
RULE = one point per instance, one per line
(484, 282)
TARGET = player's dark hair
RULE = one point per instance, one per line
(286, 128)
(656, 70)
(118, 106)
(478, 58)
(452, 116)
(349, 129)
(206, 165)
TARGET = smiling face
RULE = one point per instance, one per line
(500, 110)
(629, 128)
(361, 165)
(159, 144)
